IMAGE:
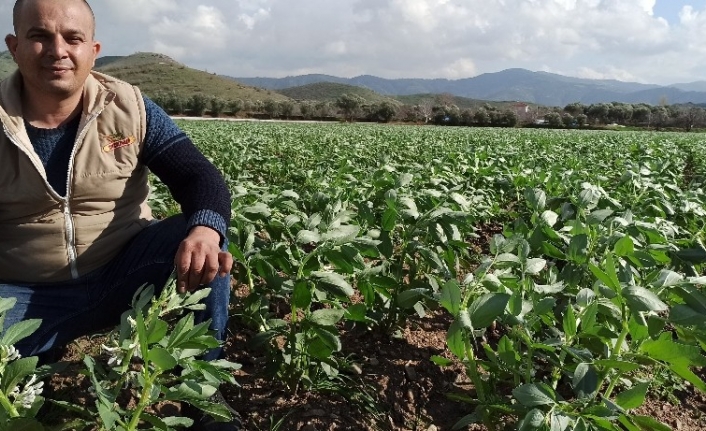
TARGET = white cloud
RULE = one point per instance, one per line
(621, 39)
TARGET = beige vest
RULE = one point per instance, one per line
(47, 238)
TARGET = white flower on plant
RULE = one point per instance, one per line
(28, 394)
(131, 320)
(116, 354)
(8, 354)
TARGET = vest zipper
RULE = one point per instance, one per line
(68, 216)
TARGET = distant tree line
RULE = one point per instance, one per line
(685, 117)
(350, 107)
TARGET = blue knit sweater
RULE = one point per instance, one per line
(193, 181)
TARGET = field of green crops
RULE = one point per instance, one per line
(596, 280)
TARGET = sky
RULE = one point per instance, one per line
(647, 41)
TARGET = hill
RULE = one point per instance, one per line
(446, 99)
(155, 73)
(329, 91)
(541, 88)
(7, 64)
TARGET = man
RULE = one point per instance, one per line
(77, 238)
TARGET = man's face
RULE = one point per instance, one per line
(54, 47)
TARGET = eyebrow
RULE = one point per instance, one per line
(42, 30)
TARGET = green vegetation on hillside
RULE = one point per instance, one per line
(449, 99)
(330, 92)
(155, 73)
(7, 64)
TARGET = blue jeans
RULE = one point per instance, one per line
(96, 300)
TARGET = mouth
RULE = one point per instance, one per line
(58, 70)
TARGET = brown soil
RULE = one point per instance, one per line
(397, 387)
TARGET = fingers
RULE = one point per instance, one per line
(198, 263)
(225, 261)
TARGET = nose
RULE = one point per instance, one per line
(57, 47)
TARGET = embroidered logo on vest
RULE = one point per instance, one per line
(116, 141)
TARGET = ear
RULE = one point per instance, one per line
(11, 42)
(96, 51)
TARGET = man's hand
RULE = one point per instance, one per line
(200, 258)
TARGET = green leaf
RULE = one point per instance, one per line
(536, 198)
(19, 331)
(604, 277)
(545, 306)
(534, 266)
(497, 244)
(585, 297)
(7, 304)
(190, 391)
(508, 257)
(624, 246)
(559, 421)
(306, 236)
(451, 297)
(175, 421)
(410, 208)
(692, 255)
(357, 312)
(549, 289)
(487, 308)
(684, 371)
(570, 324)
(342, 234)
(389, 219)
(217, 411)
(156, 422)
(442, 361)
(455, 339)
(693, 297)
(331, 340)
(162, 358)
(464, 318)
(534, 394)
(672, 352)
(641, 299)
(588, 197)
(108, 415)
(257, 211)
(333, 282)
(622, 366)
(685, 315)
(408, 298)
(633, 397)
(578, 249)
(550, 217)
(533, 420)
(16, 371)
(585, 380)
(598, 216)
(159, 331)
(647, 423)
(404, 179)
(24, 424)
(301, 295)
(326, 316)
(516, 303)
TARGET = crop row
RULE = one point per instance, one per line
(596, 279)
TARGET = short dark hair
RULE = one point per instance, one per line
(18, 8)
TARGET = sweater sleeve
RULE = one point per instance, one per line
(193, 181)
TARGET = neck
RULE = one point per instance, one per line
(47, 112)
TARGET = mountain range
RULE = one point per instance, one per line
(541, 88)
(155, 73)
